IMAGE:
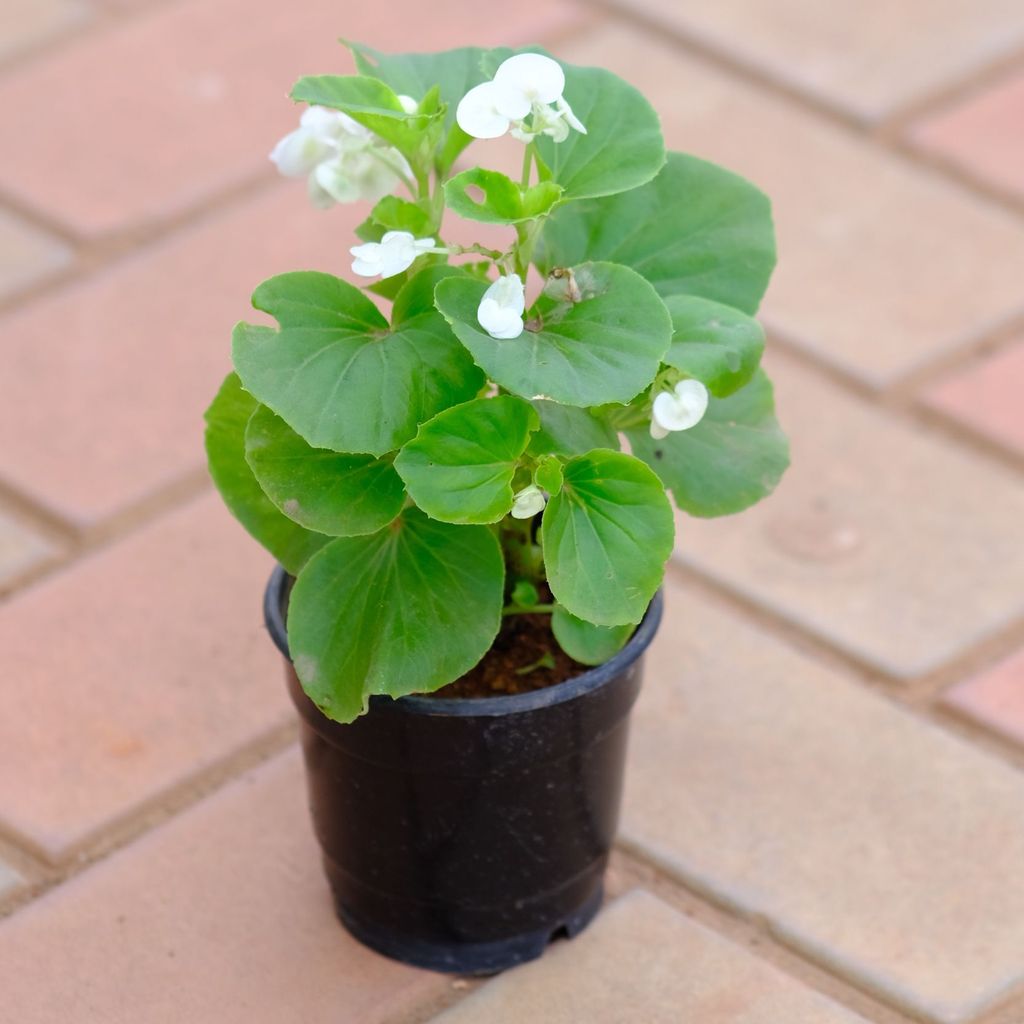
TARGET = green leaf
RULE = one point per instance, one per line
(395, 214)
(370, 231)
(338, 375)
(417, 294)
(371, 103)
(548, 475)
(623, 147)
(607, 535)
(732, 459)
(503, 202)
(583, 641)
(340, 495)
(695, 230)
(226, 420)
(607, 347)
(566, 430)
(719, 346)
(405, 610)
(455, 72)
(460, 465)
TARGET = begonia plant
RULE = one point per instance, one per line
(500, 442)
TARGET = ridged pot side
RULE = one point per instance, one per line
(463, 834)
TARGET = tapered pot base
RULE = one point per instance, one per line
(465, 957)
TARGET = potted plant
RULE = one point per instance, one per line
(467, 495)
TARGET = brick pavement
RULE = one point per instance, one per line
(825, 798)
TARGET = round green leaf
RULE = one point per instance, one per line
(417, 294)
(405, 610)
(455, 72)
(623, 147)
(394, 214)
(716, 344)
(460, 465)
(372, 103)
(548, 475)
(697, 229)
(607, 535)
(226, 420)
(340, 495)
(585, 642)
(338, 375)
(502, 200)
(732, 459)
(567, 430)
(607, 347)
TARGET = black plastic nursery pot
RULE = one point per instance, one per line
(463, 835)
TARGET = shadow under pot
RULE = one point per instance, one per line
(463, 835)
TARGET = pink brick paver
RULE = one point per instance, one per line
(28, 22)
(9, 879)
(130, 673)
(110, 378)
(220, 917)
(988, 397)
(983, 134)
(186, 72)
(868, 59)
(643, 962)
(20, 548)
(876, 844)
(994, 698)
(27, 254)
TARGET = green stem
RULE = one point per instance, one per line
(527, 161)
(459, 250)
(537, 609)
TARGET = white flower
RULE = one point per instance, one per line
(343, 160)
(394, 253)
(525, 84)
(679, 409)
(528, 502)
(409, 105)
(500, 312)
(487, 111)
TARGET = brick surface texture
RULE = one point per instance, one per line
(221, 916)
(26, 255)
(161, 668)
(981, 134)
(21, 548)
(986, 396)
(994, 698)
(644, 961)
(867, 59)
(779, 789)
(25, 23)
(825, 766)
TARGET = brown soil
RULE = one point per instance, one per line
(523, 641)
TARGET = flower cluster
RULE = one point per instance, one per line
(526, 86)
(341, 160)
(345, 162)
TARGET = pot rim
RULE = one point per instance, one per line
(509, 704)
